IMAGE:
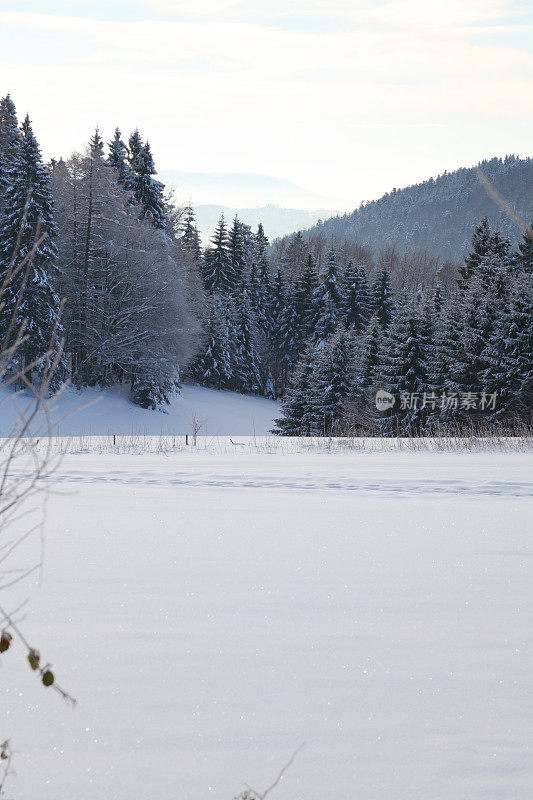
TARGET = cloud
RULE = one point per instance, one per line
(411, 85)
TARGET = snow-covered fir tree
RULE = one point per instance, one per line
(327, 302)
(218, 272)
(30, 299)
(509, 355)
(438, 299)
(10, 143)
(357, 306)
(246, 370)
(296, 407)
(304, 302)
(118, 158)
(147, 192)
(368, 358)
(525, 251)
(212, 365)
(331, 383)
(190, 236)
(237, 254)
(382, 298)
(405, 372)
(135, 146)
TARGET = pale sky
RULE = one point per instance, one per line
(348, 98)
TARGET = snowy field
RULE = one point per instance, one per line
(212, 608)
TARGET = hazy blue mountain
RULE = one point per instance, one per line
(244, 190)
(277, 221)
(440, 214)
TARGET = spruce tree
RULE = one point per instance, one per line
(288, 340)
(118, 158)
(295, 407)
(405, 372)
(211, 366)
(368, 358)
(525, 251)
(331, 384)
(147, 192)
(509, 356)
(357, 303)
(136, 145)
(10, 143)
(190, 237)
(438, 299)
(382, 298)
(217, 269)
(304, 304)
(480, 247)
(327, 302)
(294, 257)
(237, 254)
(491, 258)
(277, 331)
(247, 372)
(29, 209)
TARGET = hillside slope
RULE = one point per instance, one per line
(438, 215)
(96, 412)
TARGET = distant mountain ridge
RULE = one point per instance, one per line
(276, 221)
(244, 190)
(439, 214)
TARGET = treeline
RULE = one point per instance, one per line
(107, 243)
(436, 216)
(146, 306)
(413, 364)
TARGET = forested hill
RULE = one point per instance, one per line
(439, 214)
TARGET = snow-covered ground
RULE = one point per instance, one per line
(212, 608)
(93, 412)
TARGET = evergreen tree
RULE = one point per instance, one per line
(480, 248)
(509, 356)
(136, 145)
(190, 237)
(295, 407)
(288, 342)
(118, 158)
(406, 373)
(96, 144)
(525, 251)
(153, 391)
(331, 384)
(218, 272)
(29, 209)
(211, 367)
(10, 143)
(438, 299)
(261, 245)
(357, 304)
(247, 372)
(448, 350)
(237, 254)
(304, 303)
(277, 346)
(382, 299)
(147, 192)
(368, 358)
(327, 302)
(294, 257)
(490, 260)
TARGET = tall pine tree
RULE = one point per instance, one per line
(29, 210)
